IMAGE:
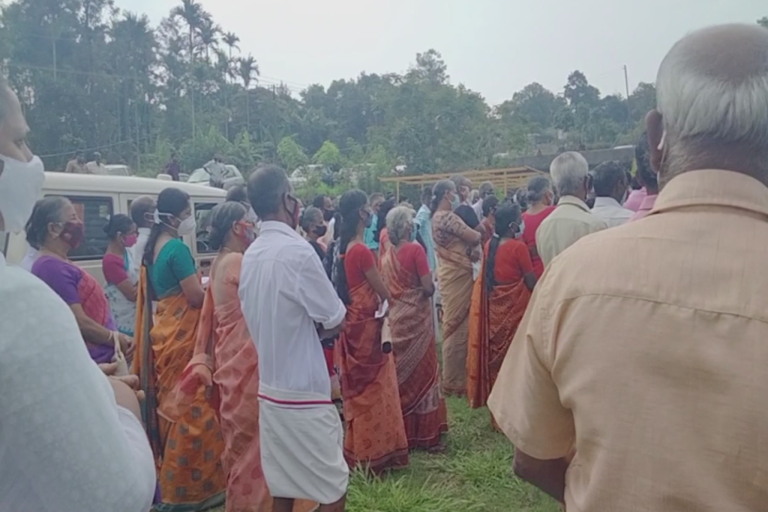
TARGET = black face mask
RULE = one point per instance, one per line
(328, 215)
(320, 230)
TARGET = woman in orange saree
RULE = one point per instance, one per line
(188, 450)
(375, 437)
(405, 271)
(454, 244)
(226, 363)
(499, 300)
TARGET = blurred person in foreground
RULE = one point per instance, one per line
(541, 205)
(226, 364)
(611, 184)
(56, 228)
(670, 414)
(406, 274)
(375, 436)
(455, 244)
(71, 438)
(572, 218)
(281, 278)
(646, 176)
(187, 449)
(499, 299)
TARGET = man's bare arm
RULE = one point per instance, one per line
(547, 475)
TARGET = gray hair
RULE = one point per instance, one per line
(47, 211)
(568, 172)
(399, 219)
(712, 88)
(486, 188)
(311, 216)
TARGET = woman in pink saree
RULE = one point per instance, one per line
(226, 362)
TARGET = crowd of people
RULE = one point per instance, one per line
(616, 335)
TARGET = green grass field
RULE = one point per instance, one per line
(474, 474)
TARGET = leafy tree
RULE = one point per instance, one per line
(291, 155)
(763, 22)
(328, 155)
(579, 92)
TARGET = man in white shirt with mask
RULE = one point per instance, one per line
(71, 439)
(143, 214)
(289, 305)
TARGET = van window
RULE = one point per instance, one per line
(95, 213)
(203, 219)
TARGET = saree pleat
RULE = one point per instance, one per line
(187, 450)
(375, 435)
(495, 316)
(413, 342)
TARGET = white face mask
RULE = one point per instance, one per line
(187, 227)
(20, 186)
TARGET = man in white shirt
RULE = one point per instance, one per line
(142, 212)
(289, 305)
(486, 190)
(611, 186)
(216, 170)
(572, 219)
(71, 439)
(96, 166)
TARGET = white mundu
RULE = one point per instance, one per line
(284, 294)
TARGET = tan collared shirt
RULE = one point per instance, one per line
(570, 221)
(646, 346)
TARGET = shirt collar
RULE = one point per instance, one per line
(278, 227)
(607, 201)
(573, 201)
(713, 187)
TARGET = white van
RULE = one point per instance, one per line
(97, 197)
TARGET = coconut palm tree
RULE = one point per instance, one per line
(208, 34)
(192, 14)
(248, 71)
(230, 39)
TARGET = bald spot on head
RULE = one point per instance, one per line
(732, 53)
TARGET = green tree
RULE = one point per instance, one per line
(763, 22)
(328, 155)
(291, 155)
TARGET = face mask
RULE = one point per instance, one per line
(130, 240)
(455, 202)
(20, 186)
(519, 234)
(320, 230)
(187, 227)
(249, 235)
(328, 215)
(624, 197)
(73, 233)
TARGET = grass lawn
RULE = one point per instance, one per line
(472, 475)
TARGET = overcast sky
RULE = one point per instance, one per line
(494, 47)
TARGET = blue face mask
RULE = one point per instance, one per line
(519, 234)
(455, 201)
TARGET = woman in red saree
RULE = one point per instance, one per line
(540, 199)
(405, 271)
(375, 437)
(226, 363)
(499, 299)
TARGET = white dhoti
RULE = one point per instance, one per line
(302, 446)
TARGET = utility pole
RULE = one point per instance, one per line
(626, 85)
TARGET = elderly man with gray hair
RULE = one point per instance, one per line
(637, 379)
(572, 219)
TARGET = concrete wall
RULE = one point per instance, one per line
(595, 158)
